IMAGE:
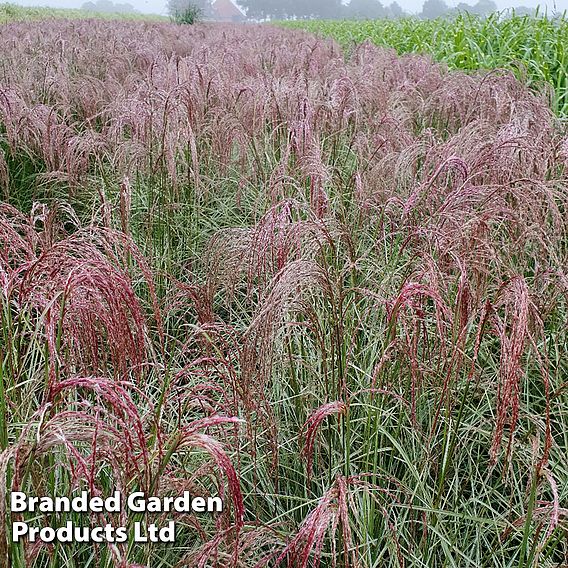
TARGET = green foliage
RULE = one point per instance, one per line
(188, 11)
(188, 16)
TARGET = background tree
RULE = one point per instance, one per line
(371, 9)
(434, 9)
(326, 9)
(395, 10)
(265, 9)
(463, 7)
(283, 9)
(484, 7)
(108, 7)
(523, 11)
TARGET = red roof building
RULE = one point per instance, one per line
(226, 11)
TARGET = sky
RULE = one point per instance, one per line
(412, 6)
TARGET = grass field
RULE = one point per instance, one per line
(535, 48)
(14, 13)
(330, 288)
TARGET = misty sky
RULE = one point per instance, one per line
(158, 6)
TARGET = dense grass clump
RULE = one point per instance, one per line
(534, 48)
(331, 289)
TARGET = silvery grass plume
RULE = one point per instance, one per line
(284, 296)
(256, 255)
(337, 510)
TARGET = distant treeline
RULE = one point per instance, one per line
(336, 9)
(109, 7)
